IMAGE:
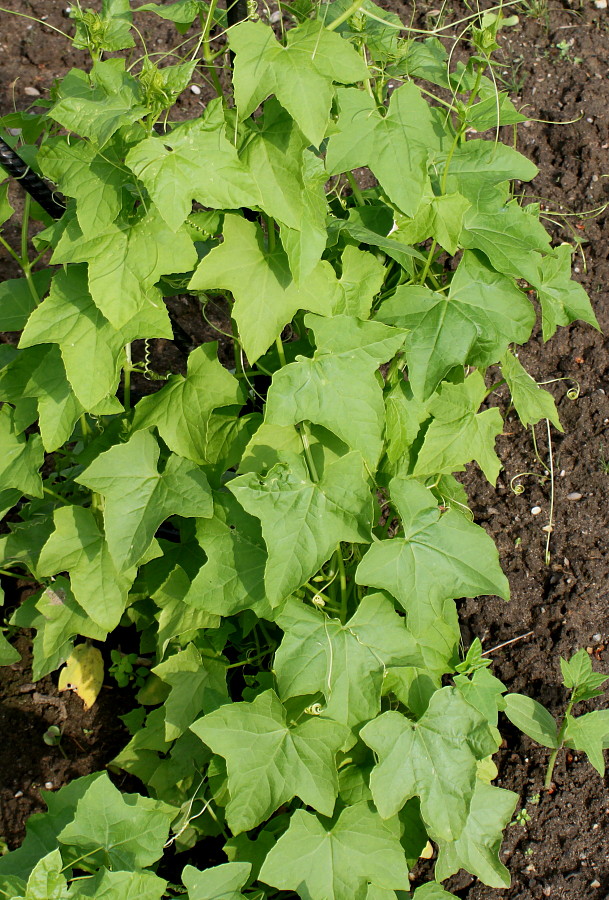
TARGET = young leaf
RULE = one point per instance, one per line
(269, 762)
(531, 401)
(434, 759)
(128, 830)
(20, 457)
(125, 260)
(589, 734)
(562, 300)
(111, 30)
(91, 349)
(484, 692)
(195, 161)
(477, 848)
(361, 280)
(458, 433)
(266, 297)
(337, 859)
(303, 520)
(197, 685)
(346, 662)
(299, 74)
(218, 883)
(17, 300)
(138, 497)
(349, 351)
(8, 653)
(182, 409)
(394, 146)
(120, 885)
(439, 557)
(578, 674)
(46, 881)
(532, 718)
(79, 547)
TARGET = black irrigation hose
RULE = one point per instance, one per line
(30, 181)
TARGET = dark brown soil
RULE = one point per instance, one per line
(558, 68)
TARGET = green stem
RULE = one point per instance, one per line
(270, 232)
(10, 251)
(207, 53)
(24, 227)
(304, 437)
(355, 189)
(280, 350)
(342, 579)
(560, 740)
(344, 16)
(428, 261)
(127, 379)
(14, 575)
(52, 493)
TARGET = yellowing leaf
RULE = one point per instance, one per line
(83, 673)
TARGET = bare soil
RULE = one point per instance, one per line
(557, 68)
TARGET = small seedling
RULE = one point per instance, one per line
(123, 669)
(587, 733)
(521, 818)
(534, 799)
(603, 461)
(52, 738)
(564, 48)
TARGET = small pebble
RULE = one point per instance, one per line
(275, 17)
(600, 4)
(562, 473)
(596, 637)
(547, 891)
(596, 826)
(31, 91)
(18, 794)
(536, 510)
(195, 89)
(48, 785)
(596, 883)
(574, 495)
(548, 528)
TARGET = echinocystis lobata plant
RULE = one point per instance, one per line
(307, 707)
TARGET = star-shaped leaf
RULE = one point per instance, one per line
(562, 299)
(232, 579)
(530, 400)
(345, 662)
(138, 497)
(91, 348)
(589, 734)
(477, 848)
(17, 300)
(266, 297)
(94, 179)
(197, 685)
(269, 762)
(20, 457)
(182, 409)
(303, 520)
(458, 433)
(195, 161)
(434, 758)
(337, 859)
(394, 146)
(361, 280)
(349, 351)
(218, 883)
(78, 546)
(439, 557)
(126, 259)
(299, 74)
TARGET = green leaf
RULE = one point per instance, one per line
(6, 210)
(138, 497)
(484, 692)
(218, 883)
(269, 762)
(532, 718)
(8, 653)
(197, 685)
(478, 167)
(106, 885)
(303, 520)
(299, 74)
(562, 299)
(337, 859)
(458, 433)
(232, 579)
(349, 351)
(361, 280)
(94, 179)
(78, 546)
(91, 349)
(589, 734)
(17, 300)
(46, 881)
(97, 104)
(195, 161)
(182, 12)
(531, 402)
(439, 557)
(578, 674)
(126, 259)
(434, 758)
(128, 830)
(182, 409)
(432, 891)
(110, 31)
(345, 662)
(477, 848)
(266, 297)
(394, 146)
(20, 457)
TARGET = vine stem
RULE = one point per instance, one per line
(342, 580)
(344, 16)
(304, 437)
(560, 740)
(355, 189)
(127, 379)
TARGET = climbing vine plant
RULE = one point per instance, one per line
(285, 531)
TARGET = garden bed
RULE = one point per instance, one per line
(558, 70)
